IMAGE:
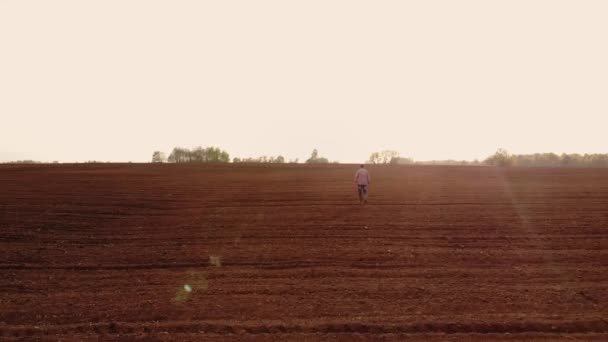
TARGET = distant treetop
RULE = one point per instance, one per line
(315, 159)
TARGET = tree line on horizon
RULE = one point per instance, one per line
(502, 158)
(195, 155)
(217, 155)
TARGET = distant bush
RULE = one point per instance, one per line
(263, 159)
(23, 162)
(403, 161)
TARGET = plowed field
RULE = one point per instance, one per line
(285, 252)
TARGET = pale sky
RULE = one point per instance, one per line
(115, 80)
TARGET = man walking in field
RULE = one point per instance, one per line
(362, 180)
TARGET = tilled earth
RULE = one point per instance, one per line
(285, 252)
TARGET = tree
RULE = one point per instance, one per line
(224, 157)
(384, 157)
(315, 159)
(314, 155)
(158, 157)
(501, 158)
(374, 158)
(389, 156)
(179, 155)
(216, 155)
(197, 155)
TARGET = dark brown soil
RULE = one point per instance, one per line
(275, 253)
